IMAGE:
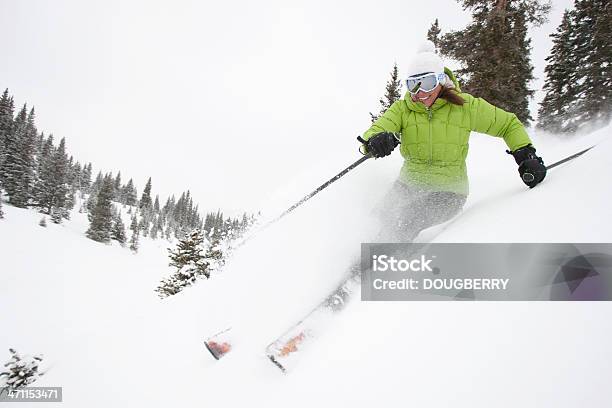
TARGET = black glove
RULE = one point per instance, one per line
(382, 144)
(531, 167)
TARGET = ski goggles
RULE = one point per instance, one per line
(425, 82)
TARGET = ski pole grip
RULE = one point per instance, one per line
(360, 139)
(364, 145)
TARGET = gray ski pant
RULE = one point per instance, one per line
(406, 210)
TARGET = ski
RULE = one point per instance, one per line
(285, 351)
(219, 344)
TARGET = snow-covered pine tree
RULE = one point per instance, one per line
(74, 172)
(70, 201)
(392, 93)
(28, 156)
(90, 205)
(53, 188)
(156, 204)
(190, 263)
(6, 122)
(145, 200)
(21, 371)
(62, 171)
(134, 240)
(156, 227)
(101, 223)
(117, 191)
(433, 34)
(579, 74)
(217, 252)
(43, 190)
(86, 178)
(130, 194)
(118, 231)
(593, 22)
(94, 188)
(561, 85)
(187, 257)
(145, 221)
(17, 171)
(494, 51)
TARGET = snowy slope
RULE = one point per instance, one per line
(109, 341)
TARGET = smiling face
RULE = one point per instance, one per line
(427, 98)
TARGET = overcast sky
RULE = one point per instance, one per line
(229, 99)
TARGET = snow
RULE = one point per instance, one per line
(107, 338)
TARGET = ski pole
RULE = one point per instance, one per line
(568, 158)
(318, 190)
(528, 177)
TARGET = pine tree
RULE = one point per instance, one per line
(215, 255)
(130, 194)
(118, 231)
(95, 186)
(17, 172)
(188, 254)
(561, 81)
(392, 93)
(593, 20)
(6, 122)
(579, 74)
(134, 240)
(101, 223)
(86, 178)
(434, 33)
(156, 204)
(61, 188)
(52, 189)
(190, 263)
(145, 200)
(21, 371)
(43, 191)
(494, 51)
(1, 212)
(117, 193)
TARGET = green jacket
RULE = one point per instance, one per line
(434, 141)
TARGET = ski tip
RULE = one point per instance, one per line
(211, 350)
(217, 350)
(276, 363)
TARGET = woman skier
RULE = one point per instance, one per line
(432, 125)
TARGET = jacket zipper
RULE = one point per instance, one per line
(429, 115)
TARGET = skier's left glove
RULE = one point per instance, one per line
(531, 167)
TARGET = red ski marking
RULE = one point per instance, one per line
(219, 349)
(292, 345)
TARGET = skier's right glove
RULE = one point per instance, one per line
(531, 167)
(381, 144)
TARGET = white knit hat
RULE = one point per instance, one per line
(425, 60)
